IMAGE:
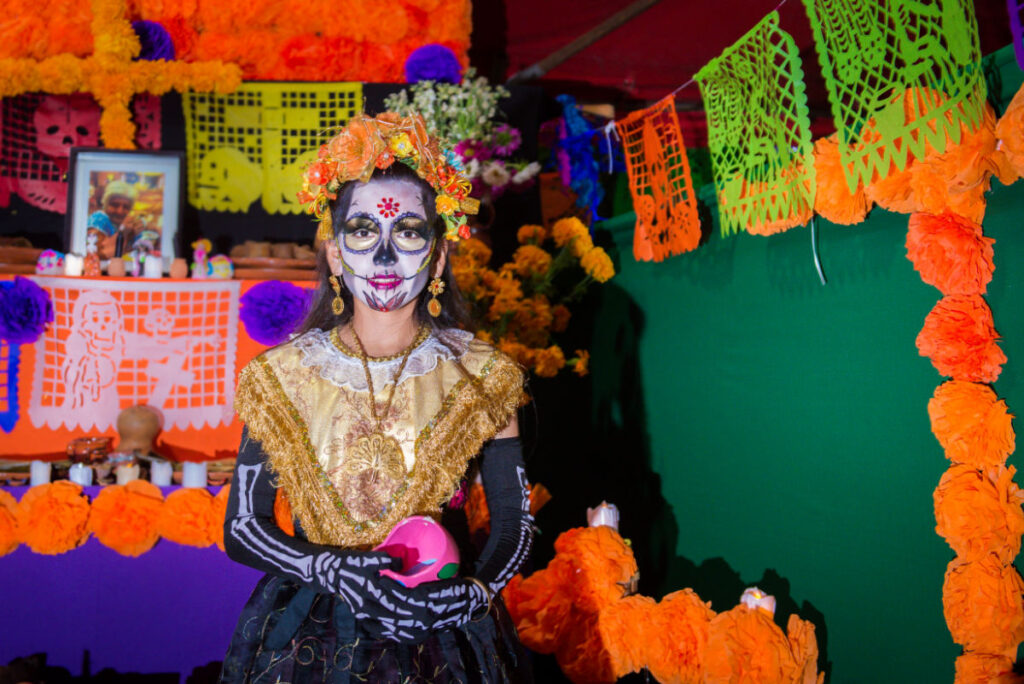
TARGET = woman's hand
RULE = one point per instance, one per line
(405, 613)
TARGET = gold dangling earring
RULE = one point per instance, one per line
(436, 287)
(337, 304)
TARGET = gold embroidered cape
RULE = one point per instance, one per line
(304, 402)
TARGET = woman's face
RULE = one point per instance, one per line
(385, 244)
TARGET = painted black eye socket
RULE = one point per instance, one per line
(360, 233)
(410, 234)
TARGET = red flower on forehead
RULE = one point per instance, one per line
(388, 207)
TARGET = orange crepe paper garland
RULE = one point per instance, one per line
(220, 509)
(53, 518)
(8, 523)
(982, 602)
(960, 339)
(979, 513)
(124, 518)
(188, 518)
(950, 253)
(972, 424)
(980, 667)
(833, 200)
(579, 608)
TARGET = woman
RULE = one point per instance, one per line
(372, 413)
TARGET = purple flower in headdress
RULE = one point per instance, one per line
(272, 310)
(433, 63)
(506, 139)
(25, 309)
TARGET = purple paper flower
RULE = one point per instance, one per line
(154, 40)
(25, 309)
(272, 310)
(506, 139)
(433, 63)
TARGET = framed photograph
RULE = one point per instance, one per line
(124, 202)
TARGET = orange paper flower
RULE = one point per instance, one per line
(960, 339)
(1010, 133)
(283, 513)
(982, 602)
(124, 517)
(53, 518)
(220, 509)
(679, 627)
(626, 633)
(950, 253)
(188, 517)
(971, 424)
(980, 513)
(833, 199)
(8, 525)
(975, 668)
(745, 645)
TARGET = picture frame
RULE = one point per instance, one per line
(120, 201)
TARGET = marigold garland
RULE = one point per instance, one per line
(960, 339)
(53, 518)
(982, 602)
(745, 645)
(979, 513)
(188, 518)
(950, 253)
(972, 424)
(124, 518)
(8, 523)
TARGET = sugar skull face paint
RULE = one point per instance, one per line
(385, 244)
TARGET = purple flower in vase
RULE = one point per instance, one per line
(506, 139)
(469, 150)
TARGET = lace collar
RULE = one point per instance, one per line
(346, 371)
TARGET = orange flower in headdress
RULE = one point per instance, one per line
(53, 518)
(960, 339)
(124, 517)
(980, 513)
(982, 604)
(833, 200)
(950, 253)
(971, 424)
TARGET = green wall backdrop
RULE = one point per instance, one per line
(787, 423)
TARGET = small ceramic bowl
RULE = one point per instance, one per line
(427, 550)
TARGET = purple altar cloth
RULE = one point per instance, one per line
(169, 610)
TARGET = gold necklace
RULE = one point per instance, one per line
(377, 454)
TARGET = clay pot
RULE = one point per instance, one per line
(138, 426)
(179, 268)
(116, 267)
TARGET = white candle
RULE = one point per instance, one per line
(193, 474)
(73, 264)
(126, 473)
(160, 473)
(755, 599)
(80, 474)
(153, 267)
(605, 514)
(40, 473)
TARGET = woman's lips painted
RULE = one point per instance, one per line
(384, 282)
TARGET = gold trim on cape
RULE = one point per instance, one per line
(473, 411)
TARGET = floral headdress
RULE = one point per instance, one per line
(369, 143)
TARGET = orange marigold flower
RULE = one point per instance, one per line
(530, 260)
(522, 354)
(566, 229)
(581, 245)
(579, 366)
(531, 235)
(560, 318)
(950, 253)
(485, 336)
(598, 265)
(8, 523)
(982, 604)
(467, 278)
(188, 517)
(971, 424)
(547, 362)
(979, 513)
(960, 339)
(833, 199)
(124, 517)
(475, 251)
(53, 518)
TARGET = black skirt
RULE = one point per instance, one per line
(290, 634)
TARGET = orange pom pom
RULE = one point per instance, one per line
(745, 645)
(803, 644)
(626, 631)
(894, 192)
(124, 517)
(283, 513)
(53, 518)
(541, 605)
(8, 525)
(972, 668)
(220, 509)
(971, 424)
(603, 565)
(832, 199)
(960, 339)
(950, 253)
(680, 625)
(982, 602)
(187, 517)
(979, 513)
